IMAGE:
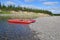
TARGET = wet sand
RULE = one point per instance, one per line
(47, 28)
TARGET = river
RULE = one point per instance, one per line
(9, 31)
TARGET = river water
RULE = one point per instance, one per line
(9, 31)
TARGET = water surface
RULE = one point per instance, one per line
(9, 31)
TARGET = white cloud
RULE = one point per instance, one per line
(54, 9)
(57, 9)
(30, 6)
(50, 3)
(9, 3)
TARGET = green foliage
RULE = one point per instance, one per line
(56, 14)
(5, 12)
(0, 5)
(12, 7)
(3, 7)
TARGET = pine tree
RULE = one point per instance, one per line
(0, 5)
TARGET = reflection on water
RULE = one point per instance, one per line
(10, 31)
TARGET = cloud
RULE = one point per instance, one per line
(30, 6)
(50, 3)
(9, 3)
(54, 10)
(28, 0)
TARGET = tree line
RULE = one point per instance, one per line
(18, 8)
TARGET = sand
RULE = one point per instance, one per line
(47, 28)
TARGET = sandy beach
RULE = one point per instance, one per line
(47, 28)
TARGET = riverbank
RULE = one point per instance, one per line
(23, 15)
(47, 28)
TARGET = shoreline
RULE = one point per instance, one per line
(24, 15)
(47, 28)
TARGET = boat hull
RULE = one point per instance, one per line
(18, 21)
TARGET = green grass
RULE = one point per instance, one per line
(25, 16)
(4, 17)
(21, 16)
(5, 12)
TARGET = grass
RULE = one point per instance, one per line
(21, 16)
(4, 17)
(25, 16)
(5, 12)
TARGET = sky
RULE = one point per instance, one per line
(51, 5)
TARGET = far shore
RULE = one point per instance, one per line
(23, 14)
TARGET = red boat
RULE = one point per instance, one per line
(18, 21)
